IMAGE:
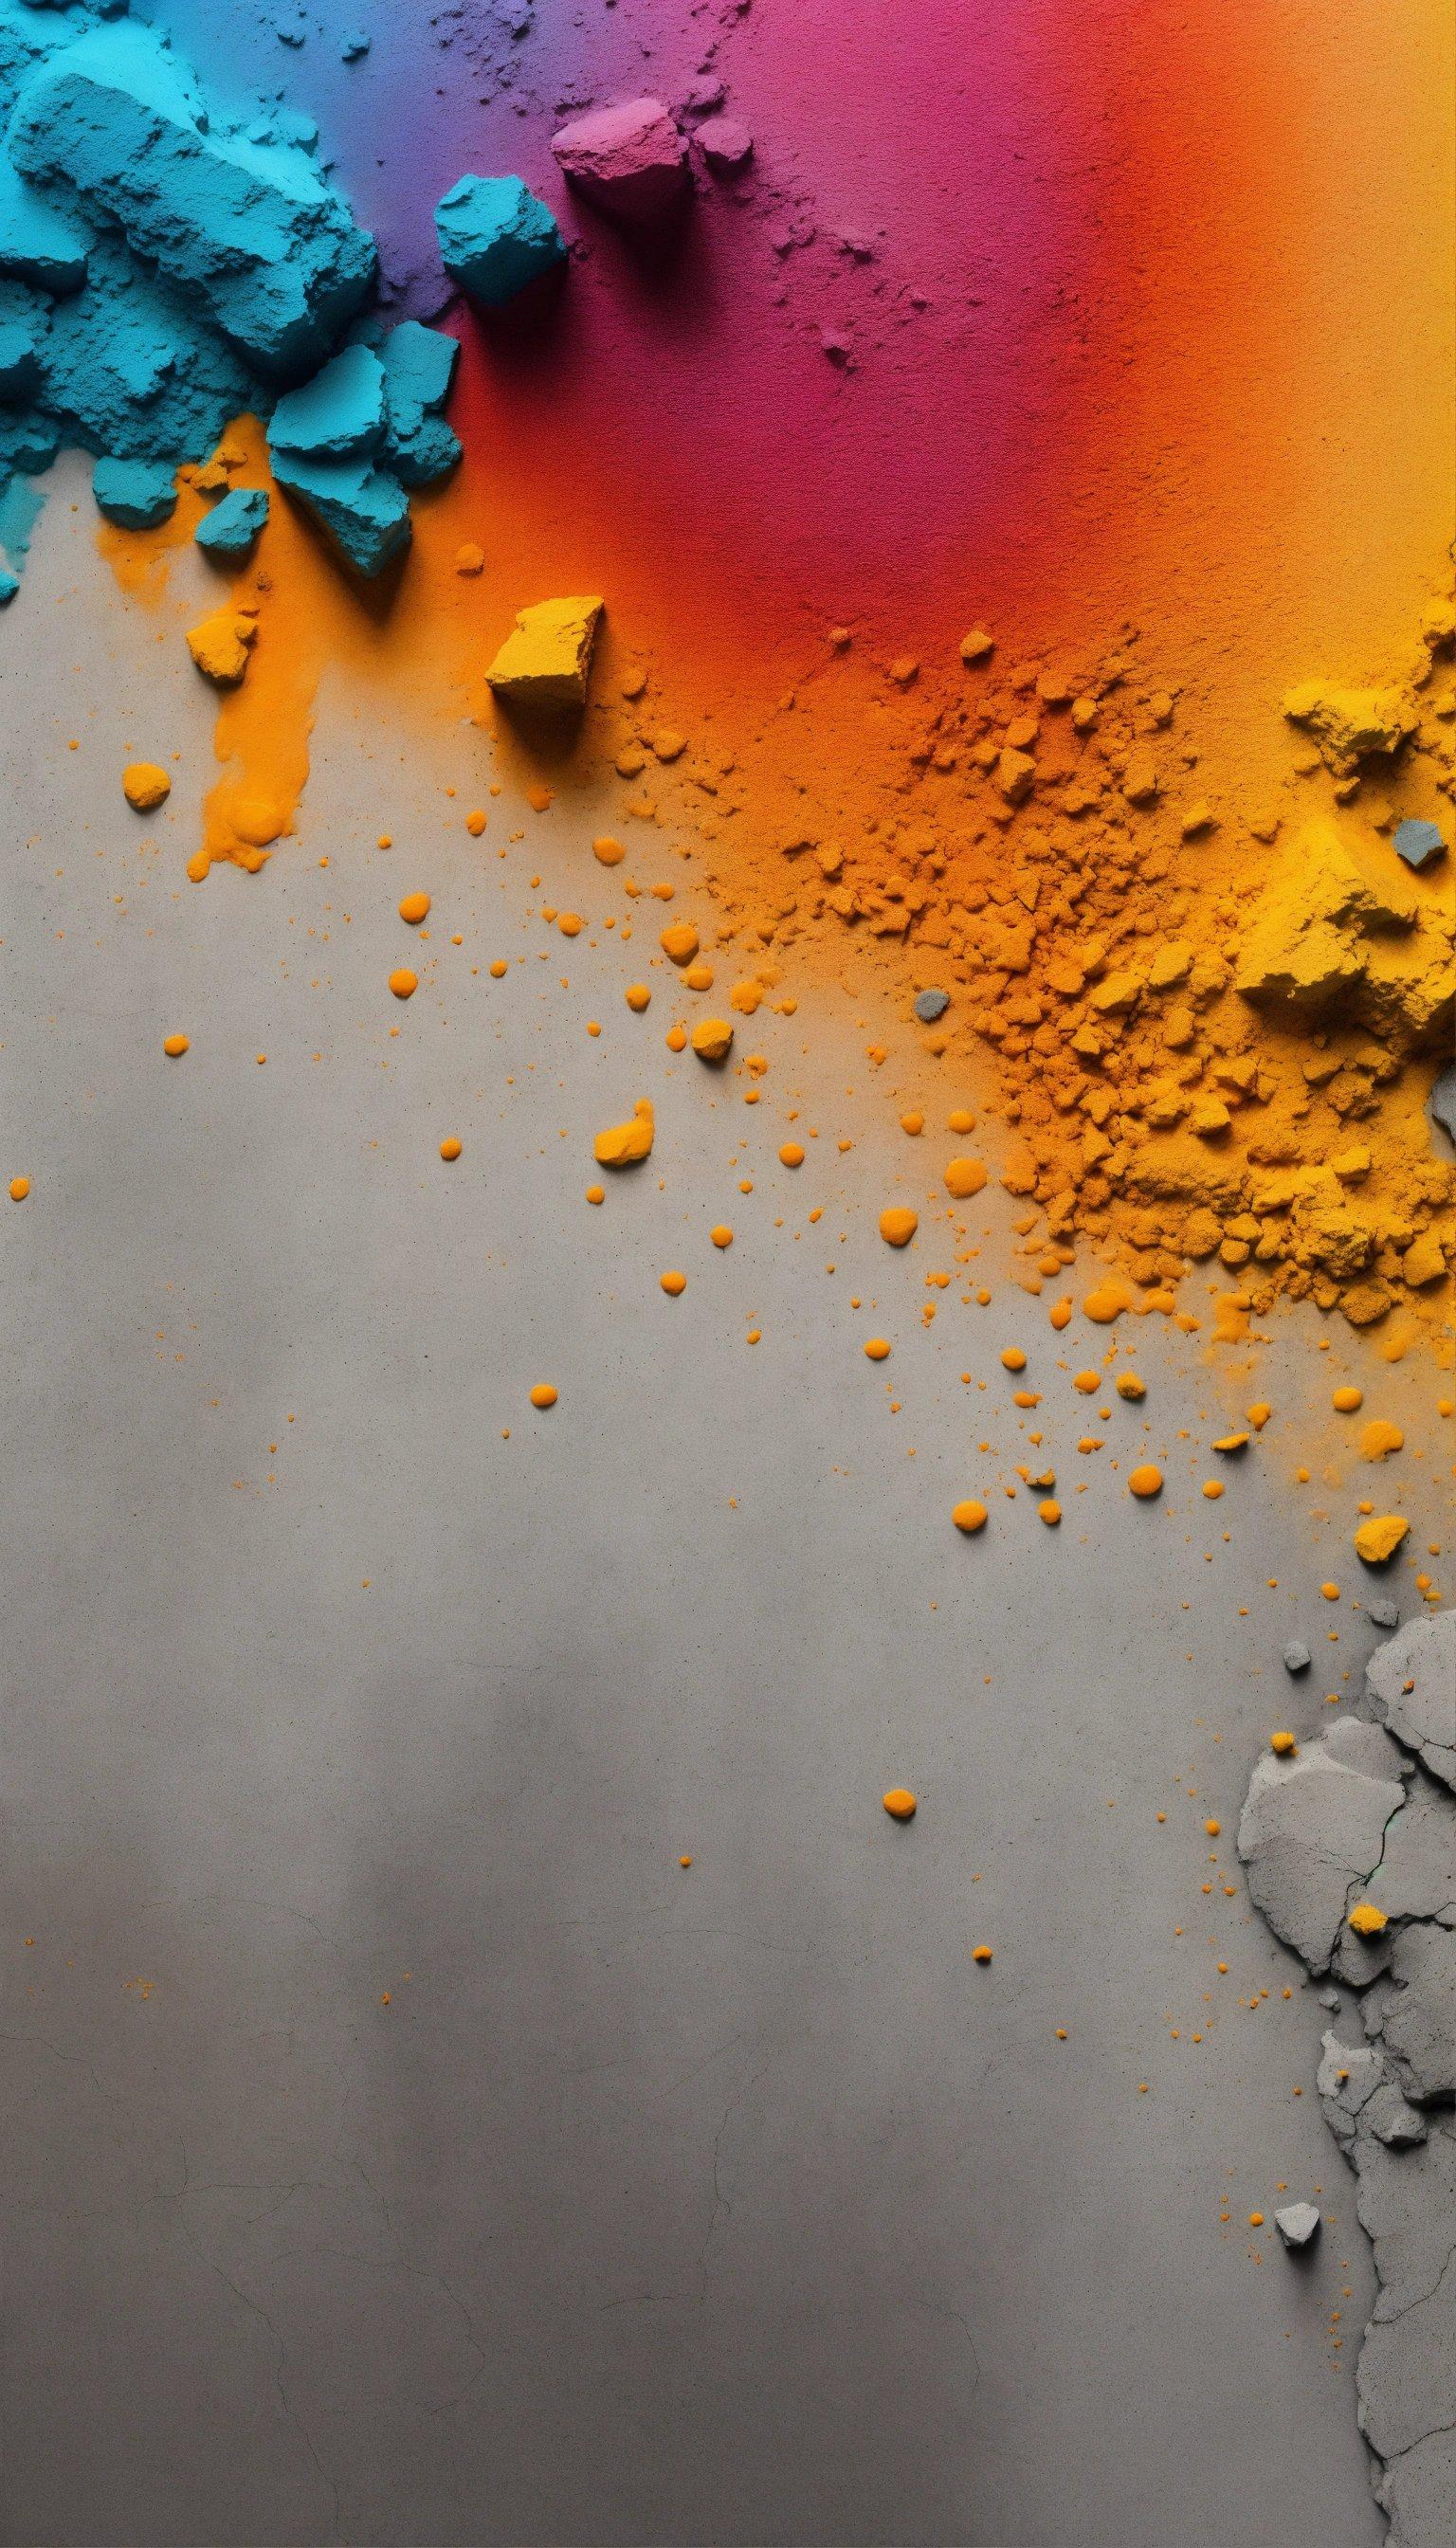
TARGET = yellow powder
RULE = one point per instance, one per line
(413, 908)
(673, 1282)
(1376, 1541)
(964, 1178)
(899, 1224)
(622, 1145)
(1145, 1480)
(877, 1349)
(175, 1047)
(146, 786)
(543, 1395)
(900, 1803)
(968, 1517)
(404, 983)
(450, 1147)
(679, 941)
(711, 1038)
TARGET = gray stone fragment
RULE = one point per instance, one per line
(1423, 1716)
(1297, 2224)
(1417, 1875)
(1385, 1615)
(1392, 2118)
(930, 1005)
(1312, 1826)
(1443, 1102)
(1328, 1998)
(1296, 1656)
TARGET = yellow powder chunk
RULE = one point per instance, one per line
(637, 996)
(1367, 1920)
(720, 1234)
(675, 1039)
(609, 852)
(219, 645)
(1050, 1511)
(899, 1802)
(1378, 1539)
(791, 1155)
(450, 1147)
(413, 908)
(1145, 1480)
(899, 1224)
(964, 1178)
(968, 1517)
(711, 1038)
(1346, 1401)
(673, 1282)
(1130, 1385)
(543, 1395)
(175, 1047)
(1283, 1743)
(546, 661)
(569, 922)
(1012, 1358)
(404, 983)
(678, 942)
(1258, 1414)
(476, 821)
(699, 977)
(1212, 1489)
(1088, 1381)
(498, 970)
(1229, 1443)
(877, 1349)
(1212, 1826)
(961, 1119)
(20, 1187)
(1378, 1439)
(597, 1194)
(145, 785)
(470, 558)
(981, 1954)
(622, 1145)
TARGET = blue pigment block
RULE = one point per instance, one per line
(231, 528)
(9, 587)
(1417, 841)
(249, 230)
(418, 367)
(495, 237)
(363, 509)
(37, 244)
(431, 453)
(336, 415)
(138, 494)
(20, 367)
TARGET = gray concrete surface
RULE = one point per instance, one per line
(733, 2205)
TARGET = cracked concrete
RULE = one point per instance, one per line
(1357, 1814)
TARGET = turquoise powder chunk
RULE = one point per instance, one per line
(20, 367)
(249, 228)
(231, 528)
(38, 245)
(9, 587)
(336, 415)
(138, 494)
(495, 237)
(419, 365)
(363, 509)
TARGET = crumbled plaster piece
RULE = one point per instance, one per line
(546, 661)
(631, 161)
(495, 237)
(1312, 1825)
(1423, 1716)
(1298, 2224)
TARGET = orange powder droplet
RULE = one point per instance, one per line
(1346, 1401)
(720, 1234)
(476, 821)
(680, 941)
(899, 1224)
(404, 983)
(622, 1145)
(1212, 1489)
(500, 970)
(175, 1047)
(675, 1039)
(609, 852)
(877, 1349)
(1050, 1511)
(543, 1395)
(1282, 1742)
(1145, 1480)
(450, 1148)
(637, 996)
(961, 1121)
(569, 924)
(1130, 1385)
(1330, 1591)
(1108, 1301)
(597, 1194)
(415, 907)
(146, 786)
(964, 1178)
(1378, 1439)
(900, 1803)
(1212, 1826)
(1257, 1416)
(470, 558)
(20, 1187)
(791, 1155)
(685, 1862)
(673, 1282)
(1060, 1314)
(1013, 1359)
(968, 1517)
(1088, 1381)
(981, 1954)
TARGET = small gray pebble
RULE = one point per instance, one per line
(1328, 1998)
(1443, 1102)
(1296, 1656)
(930, 1005)
(1385, 1615)
(1297, 2224)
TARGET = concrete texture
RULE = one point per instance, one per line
(733, 2204)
